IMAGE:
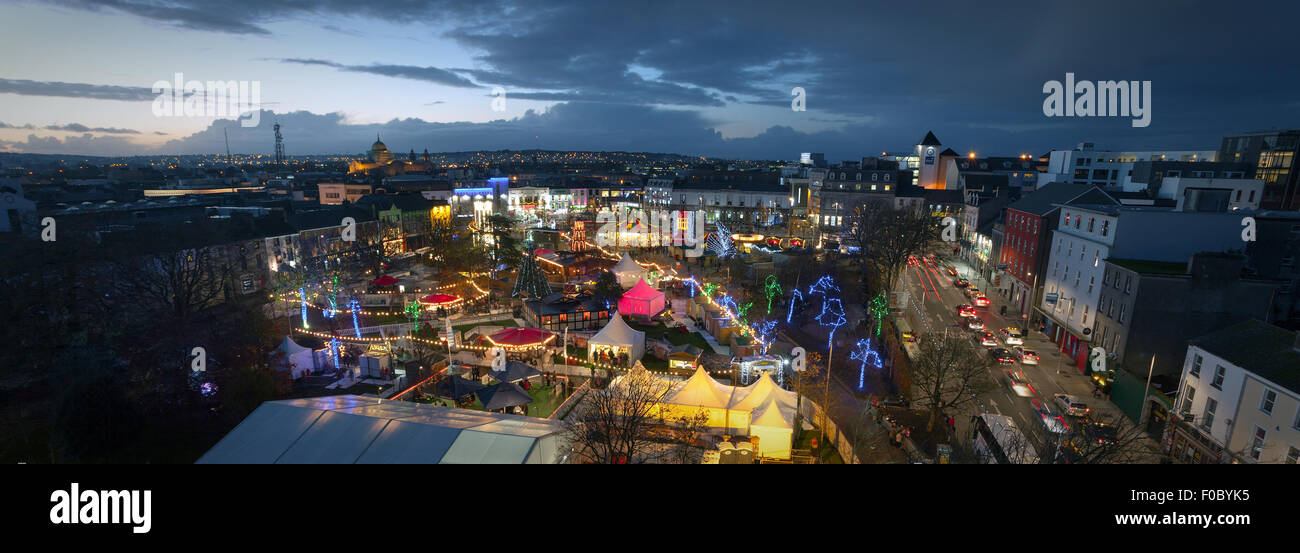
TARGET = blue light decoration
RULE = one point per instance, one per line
(832, 316)
(354, 306)
(862, 351)
(692, 285)
(302, 293)
(763, 330)
(727, 301)
(334, 351)
(794, 294)
(823, 285)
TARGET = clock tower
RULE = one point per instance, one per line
(927, 153)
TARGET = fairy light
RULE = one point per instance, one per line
(772, 288)
(356, 322)
(862, 351)
(832, 316)
(794, 294)
(302, 292)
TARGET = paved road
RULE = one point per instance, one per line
(933, 309)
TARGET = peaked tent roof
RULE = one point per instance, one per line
(626, 265)
(701, 390)
(290, 347)
(761, 392)
(505, 394)
(456, 387)
(617, 331)
(642, 291)
(930, 139)
(514, 372)
(773, 413)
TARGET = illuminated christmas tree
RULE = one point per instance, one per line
(531, 280)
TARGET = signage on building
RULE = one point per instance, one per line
(1052, 297)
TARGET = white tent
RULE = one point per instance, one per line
(701, 392)
(300, 360)
(628, 272)
(757, 394)
(773, 424)
(617, 337)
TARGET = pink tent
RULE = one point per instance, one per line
(642, 300)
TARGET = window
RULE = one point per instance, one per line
(1219, 373)
(1128, 284)
(1105, 227)
(1269, 400)
(1196, 366)
(1292, 455)
(1121, 313)
(1211, 405)
(1091, 221)
(1188, 396)
(1257, 446)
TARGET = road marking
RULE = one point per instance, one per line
(995, 408)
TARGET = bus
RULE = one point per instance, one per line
(998, 441)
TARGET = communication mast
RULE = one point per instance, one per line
(279, 146)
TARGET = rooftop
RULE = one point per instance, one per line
(1151, 267)
(1258, 347)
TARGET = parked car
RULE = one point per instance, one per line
(1002, 356)
(986, 339)
(1072, 405)
(961, 283)
(1018, 383)
(1051, 418)
(971, 292)
(965, 310)
(1012, 336)
(975, 323)
(1027, 356)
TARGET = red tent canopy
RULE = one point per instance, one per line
(543, 251)
(439, 299)
(384, 281)
(520, 337)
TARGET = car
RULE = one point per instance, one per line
(975, 323)
(971, 292)
(961, 283)
(1100, 433)
(1027, 356)
(1072, 405)
(1051, 419)
(1002, 356)
(982, 301)
(1012, 336)
(965, 310)
(1018, 383)
(952, 270)
(986, 339)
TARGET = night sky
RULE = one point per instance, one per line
(691, 77)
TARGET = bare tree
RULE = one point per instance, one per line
(613, 424)
(888, 237)
(950, 372)
(685, 429)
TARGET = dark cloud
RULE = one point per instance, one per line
(78, 127)
(86, 144)
(76, 90)
(428, 74)
(4, 125)
(971, 72)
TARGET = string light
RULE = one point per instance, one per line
(832, 316)
(772, 288)
(794, 294)
(862, 351)
(356, 323)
